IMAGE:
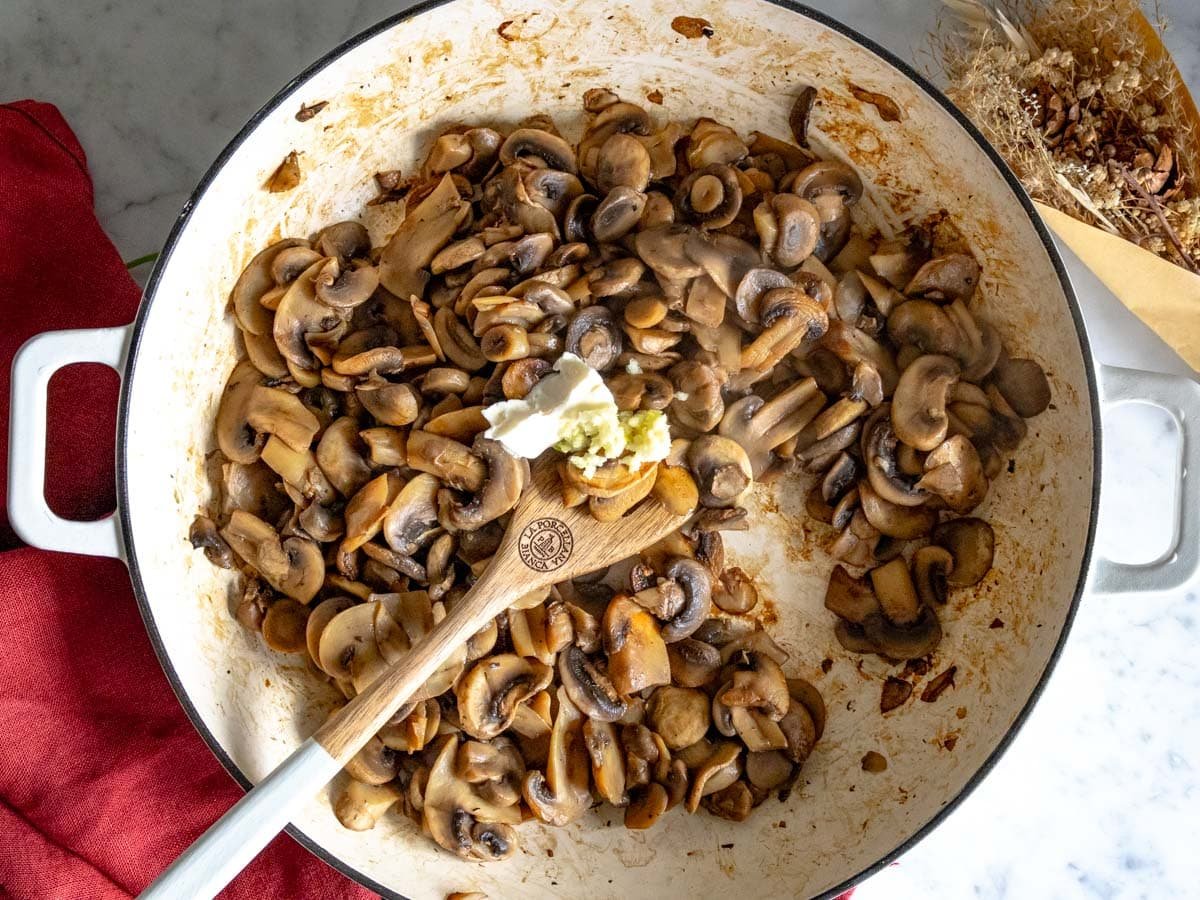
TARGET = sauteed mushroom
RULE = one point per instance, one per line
(720, 286)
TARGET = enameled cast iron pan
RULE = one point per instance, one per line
(388, 90)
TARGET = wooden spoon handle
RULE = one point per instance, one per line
(237, 837)
(347, 730)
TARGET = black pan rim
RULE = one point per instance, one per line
(424, 6)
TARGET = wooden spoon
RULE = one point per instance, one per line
(545, 543)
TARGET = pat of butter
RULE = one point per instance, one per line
(572, 410)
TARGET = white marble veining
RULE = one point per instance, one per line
(1099, 796)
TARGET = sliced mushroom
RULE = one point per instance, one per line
(721, 769)
(561, 795)
(235, 436)
(360, 806)
(904, 642)
(919, 404)
(722, 470)
(896, 593)
(623, 160)
(343, 286)
(892, 519)
(637, 653)
(925, 325)
(879, 450)
(850, 598)
(322, 614)
(761, 686)
(736, 592)
(757, 730)
(798, 120)
(971, 542)
(762, 426)
(594, 337)
(348, 635)
(932, 566)
(203, 535)
(254, 282)
(679, 715)
(367, 510)
(451, 461)
(301, 315)
(697, 403)
(374, 764)
(501, 489)
(789, 228)
(283, 627)
(950, 277)
(800, 732)
(710, 196)
(1022, 383)
(693, 663)
(696, 584)
(344, 240)
(490, 692)
(617, 214)
(339, 454)
(424, 231)
(461, 821)
(768, 770)
(550, 149)
(712, 143)
(954, 472)
(663, 250)
(588, 687)
(753, 288)
(608, 762)
(646, 806)
(294, 567)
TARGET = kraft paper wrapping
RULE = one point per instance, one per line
(1161, 294)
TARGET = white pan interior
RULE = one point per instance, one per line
(450, 64)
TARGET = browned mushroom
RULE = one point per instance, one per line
(693, 663)
(637, 653)
(588, 687)
(294, 567)
(550, 149)
(360, 806)
(490, 692)
(461, 821)
(950, 277)
(1022, 382)
(617, 214)
(680, 715)
(850, 598)
(789, 228)
(954, 472)
(256, 279)
(932, 566)
(971, 543)
(594, 337)
(561, 795)
(722, 470)
(919, 405)
(710, 196)
(424, 231)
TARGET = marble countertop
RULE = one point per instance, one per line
(1099, 795)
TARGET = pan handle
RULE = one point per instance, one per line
(37, 360)
(1180, 397)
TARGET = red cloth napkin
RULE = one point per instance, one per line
(103, 781)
